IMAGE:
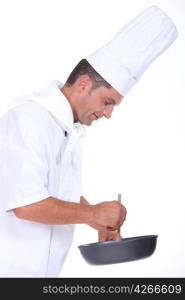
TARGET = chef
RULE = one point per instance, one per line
(40, 156)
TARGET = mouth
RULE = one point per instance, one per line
(95, 116)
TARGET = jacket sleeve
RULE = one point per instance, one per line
(24, 162)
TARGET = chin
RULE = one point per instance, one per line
(87, 123)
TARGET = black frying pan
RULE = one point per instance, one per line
(128, 249)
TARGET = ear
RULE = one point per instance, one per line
(84, 83)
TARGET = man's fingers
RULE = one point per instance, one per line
(109, 236)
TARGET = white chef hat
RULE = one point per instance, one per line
(122, 61)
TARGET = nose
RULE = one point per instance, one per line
(108, 112)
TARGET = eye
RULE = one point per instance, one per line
(107, 102)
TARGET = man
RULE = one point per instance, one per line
(40, 153)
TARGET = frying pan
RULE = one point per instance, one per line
(110, 252)
(128, 249)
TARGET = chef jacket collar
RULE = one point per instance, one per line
(55, 101)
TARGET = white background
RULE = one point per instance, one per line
(140, 151)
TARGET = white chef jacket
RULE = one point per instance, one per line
(39, 157)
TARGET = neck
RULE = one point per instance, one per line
(69, 94)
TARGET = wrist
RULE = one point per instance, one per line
(87, 213)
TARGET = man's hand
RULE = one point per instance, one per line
(107, 216)
(110, 215)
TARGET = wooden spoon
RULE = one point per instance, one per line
(119, 199)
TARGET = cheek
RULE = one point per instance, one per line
(88, 107)
(85, 111)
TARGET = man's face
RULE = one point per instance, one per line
(97, 103)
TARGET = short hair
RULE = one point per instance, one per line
(84, 68)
